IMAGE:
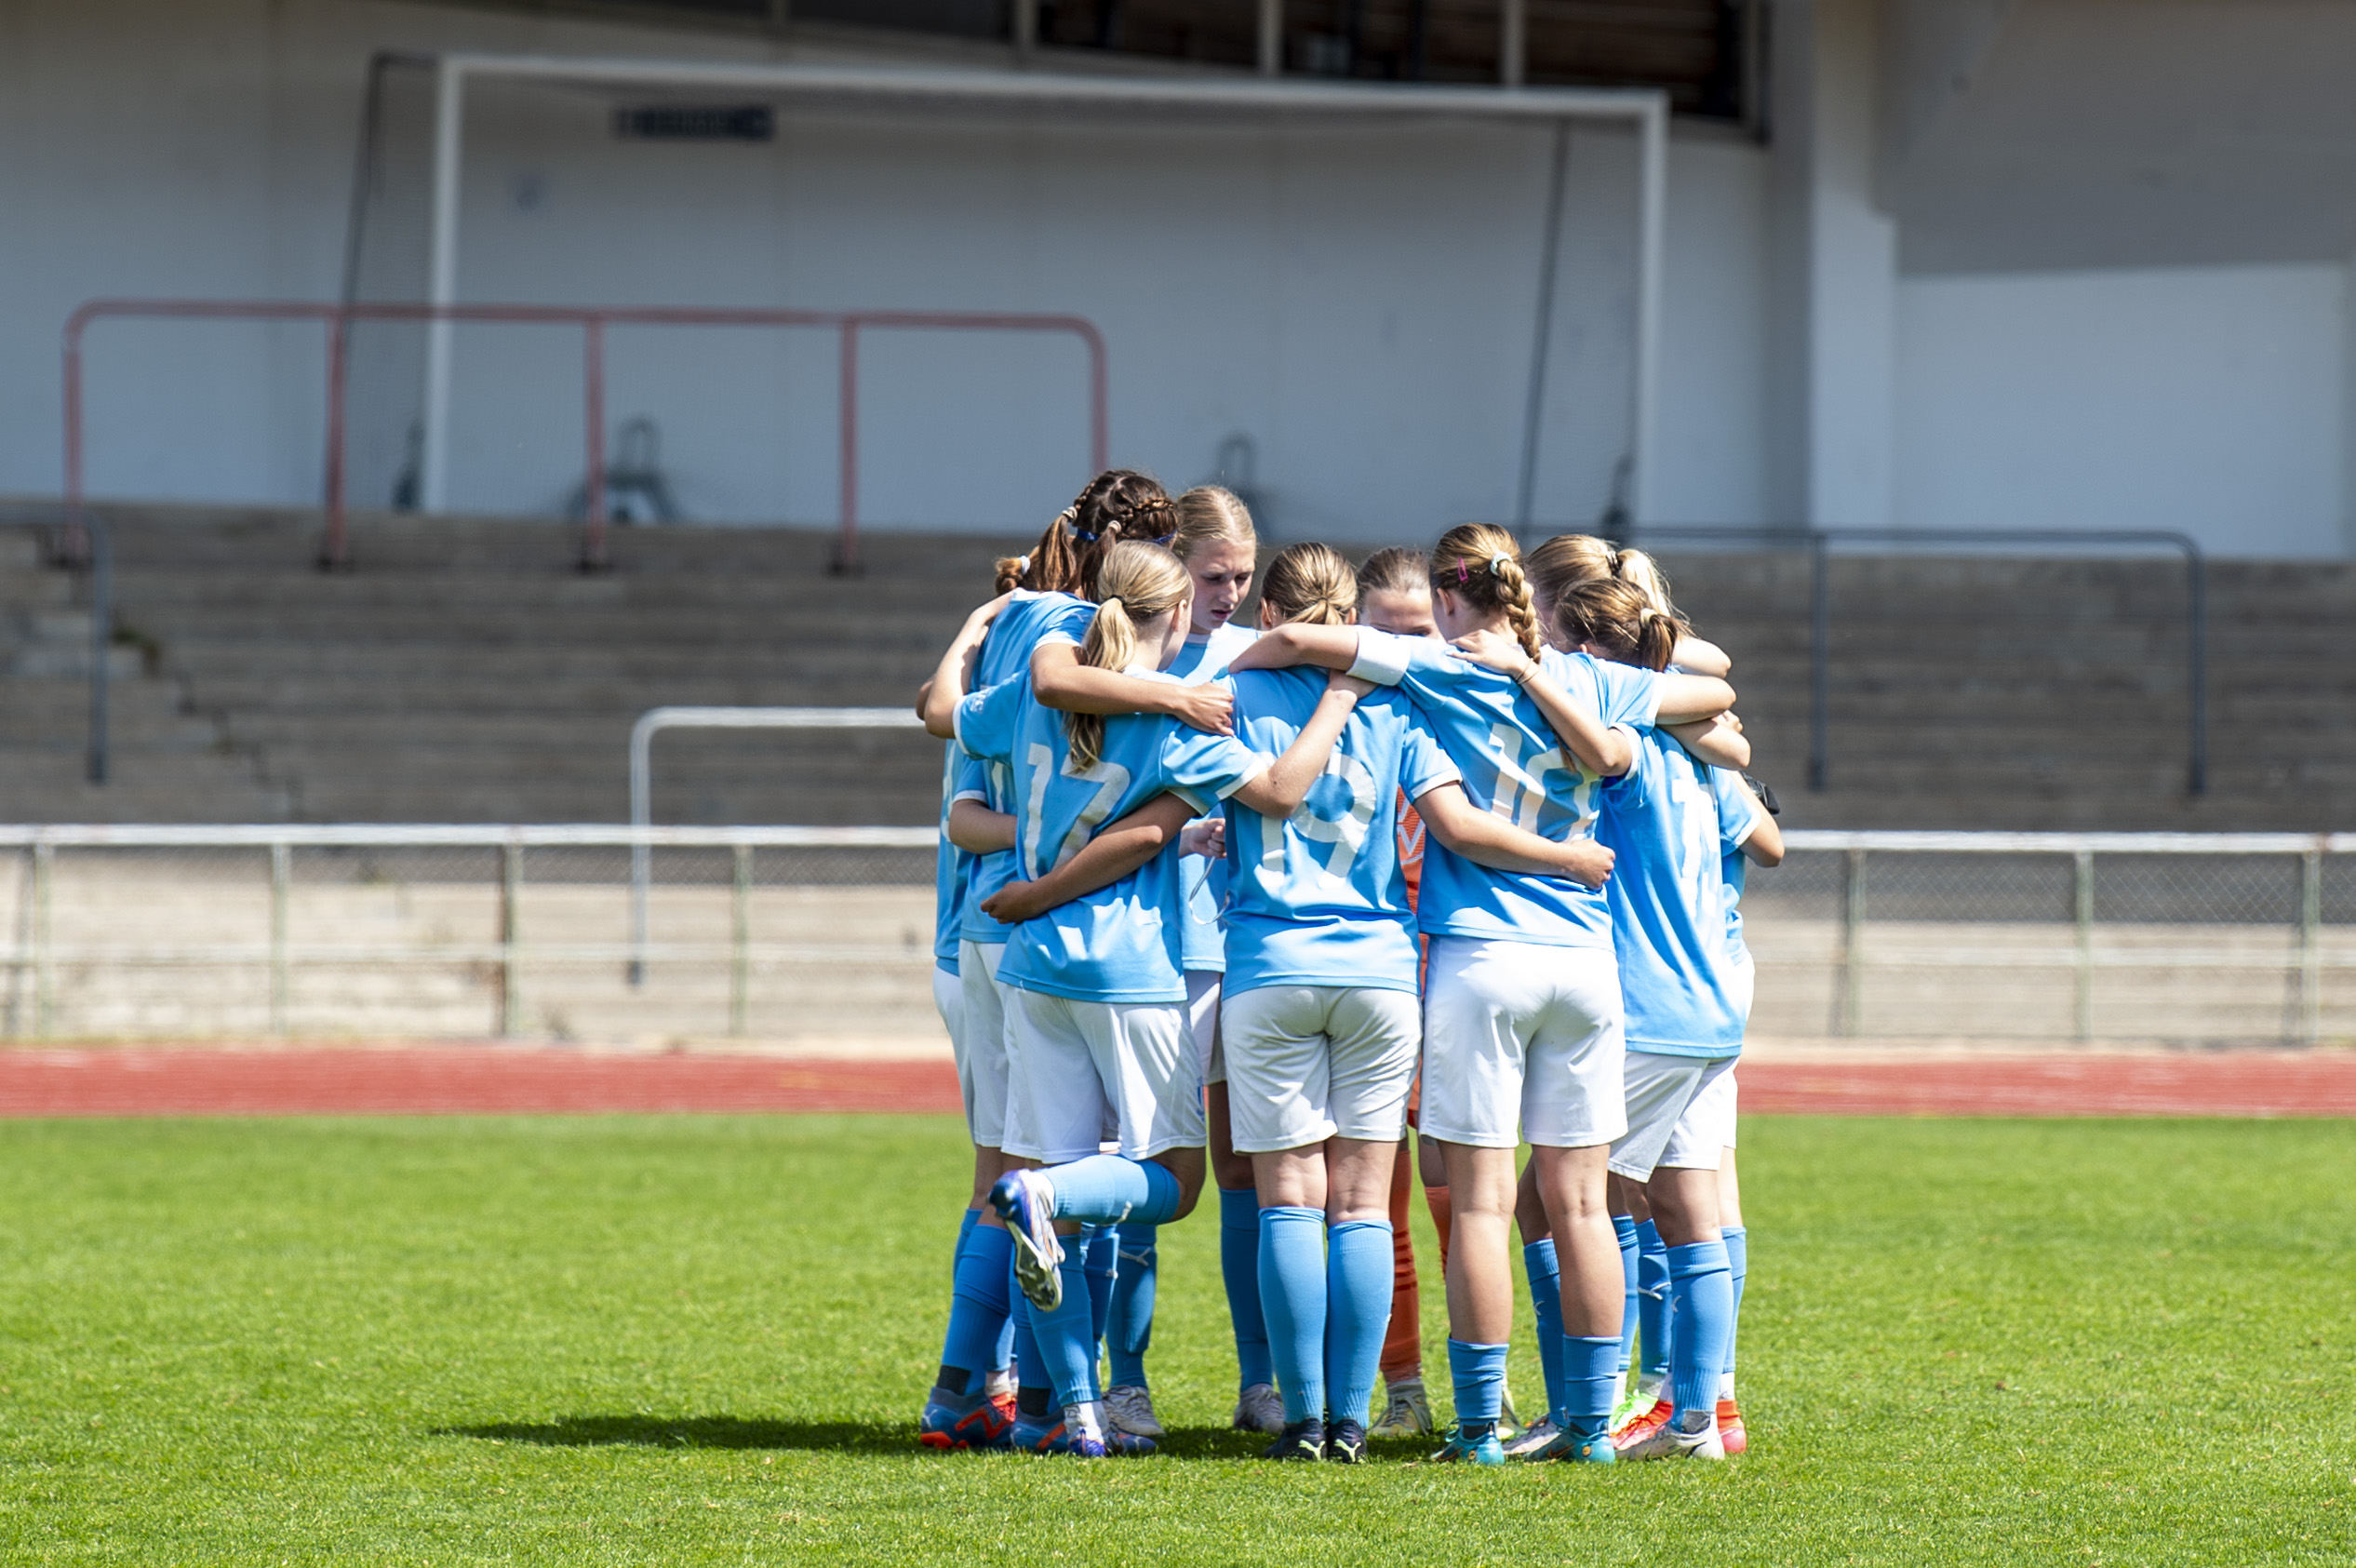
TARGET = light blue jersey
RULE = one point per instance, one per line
(1027, 620)
(1120, 943)
(951, 867)
(1318, 899)
(1667, 894)
(1739, 818)
(1205, 882)
(1514, 765)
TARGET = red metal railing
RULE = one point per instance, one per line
(592, 322)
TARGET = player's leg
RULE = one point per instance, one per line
(1373, 1039)
(1540, 1263)
(1573, 1106)
(1678, 1166)
(1129, 1401)
(1258, 1407)
(1708, 1123)
(1478, 996)
(1406, 1408)
(970, 1402)
(1651, 1305)
(1274, 1042)
(1061, 1103)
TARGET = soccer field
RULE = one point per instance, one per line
(698, 1339)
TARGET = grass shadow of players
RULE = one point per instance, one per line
(692, 1431)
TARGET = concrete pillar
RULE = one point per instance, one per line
(1027, 25)
(1513, 49)
(1835, 275)
(1271, 53)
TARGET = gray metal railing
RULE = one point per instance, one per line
(1819, 543)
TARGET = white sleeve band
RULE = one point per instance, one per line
(1254, 777)
(969, 795)
(1382, 658)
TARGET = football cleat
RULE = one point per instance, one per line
(1025, 1201)
(1645, 1425)
(1532, 1437)
(1730, 1427)
(951, 1426)
(1638, 1401)
(1130, 1409)
(1672, 1441)
(1058, 1436)
(1407, 1414)
(1462, 1450)
(1508, 1418)
(1345, 1443)
(1258, 1409)
(1567, 1447)
(1300, 1439)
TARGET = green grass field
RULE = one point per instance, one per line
(691, 1340)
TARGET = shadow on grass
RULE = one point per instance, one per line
(739, 1432)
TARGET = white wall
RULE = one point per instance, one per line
(2207, 401)
(1359, 301)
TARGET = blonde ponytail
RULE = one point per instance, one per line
(1310, 583)
(1481, 563)
(1136, 581)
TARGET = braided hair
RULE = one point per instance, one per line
(1480, 564)
(1119, 503)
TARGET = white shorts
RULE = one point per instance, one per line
(982, 1071)
(1521, 1041)
(1662, 1093)
(1308, 1063)
(1084, 1071)
(1707, 1130)
(1202, 1022)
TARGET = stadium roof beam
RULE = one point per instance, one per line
(1277, 98)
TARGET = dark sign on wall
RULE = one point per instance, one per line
(696, 122)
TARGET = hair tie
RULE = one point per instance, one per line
(1498, 563)
(1083, 535)
(1645, 614)
(1022, 566)
(1109, 600)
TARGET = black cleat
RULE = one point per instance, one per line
(1300, 1439)
(1345, 1443)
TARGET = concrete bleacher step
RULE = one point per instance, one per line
(464, 671)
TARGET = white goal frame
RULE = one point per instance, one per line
(1645, 109)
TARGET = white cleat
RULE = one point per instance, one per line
(1533, 1437)
(1025, 1201)
(1259, 1409)
(1671, 1440)
(1407, 1414)
(1131, 1408)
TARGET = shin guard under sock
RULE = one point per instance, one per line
(1293, 1303)
(1703, 1289)
(1478, 1374)
(1358, 1310)
(1239, 1270)
(1106, 1189)
(1624, 1228)
(1590, 1374)
(1131, 1331)
(1546, 1304)
(1651, 1302)
(1737, 1240)
(978, 1309)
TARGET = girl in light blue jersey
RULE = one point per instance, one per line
(1522, 1013)
(1097, 990)
(1320, 1022)
(1043, 603)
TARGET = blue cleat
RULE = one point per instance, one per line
(1058, 1436)
(1026, 1202)
(1462, 1450)
(1565, 1446)
(976, 1424)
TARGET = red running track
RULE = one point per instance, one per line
(430, 1080)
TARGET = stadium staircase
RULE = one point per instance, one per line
(462, 672)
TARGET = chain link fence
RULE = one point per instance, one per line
(788, 934)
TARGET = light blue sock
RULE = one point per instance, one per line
(1100, 1258)
(1590, 1372)
(1652, 1299)
(1625, 1228)
(1106, 1189)
(1478, 1374)
(1737, 1265)
(966, 1223)
(1545, 1302)
(1293, 1303)
(1704, 1290)
(1131, 1333)
(977, 1308)
(1240, 1267)
(1067, 1343)
(1358, 1313)
(1030, 1366)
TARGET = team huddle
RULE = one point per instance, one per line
(1452, 844)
